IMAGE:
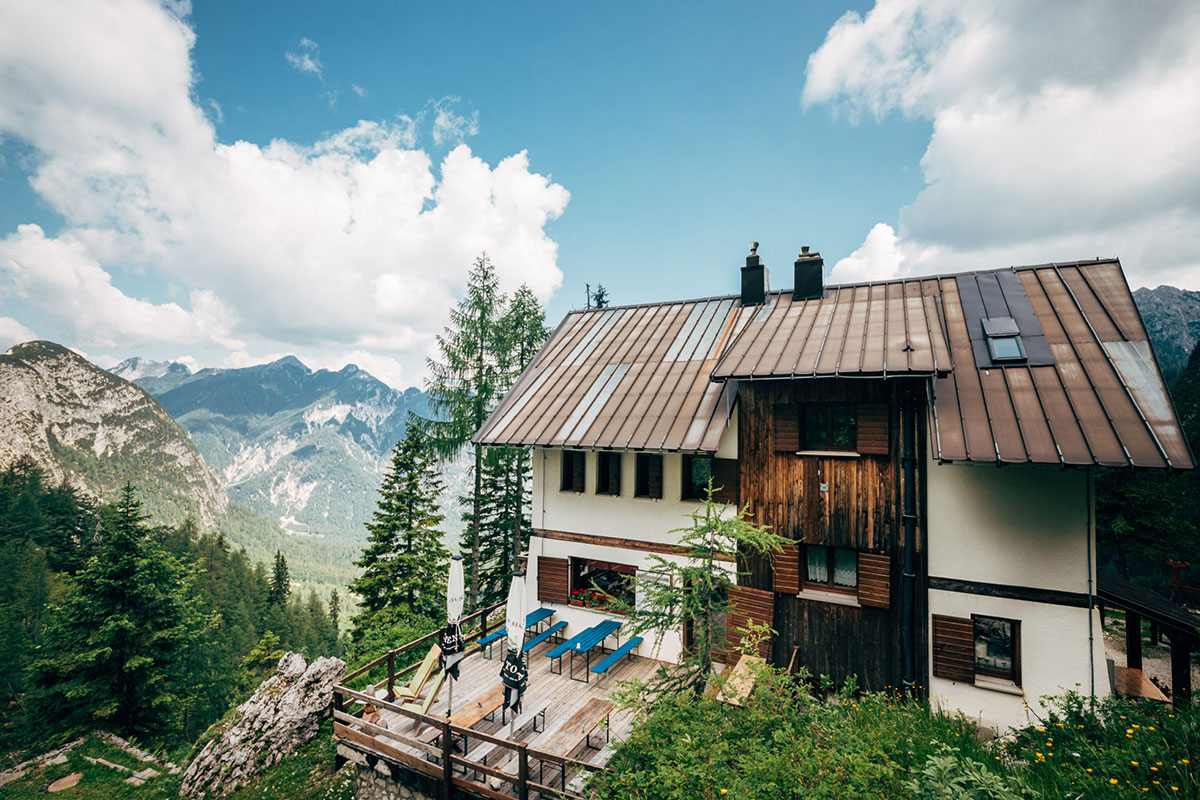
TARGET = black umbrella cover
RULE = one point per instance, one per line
(514, 675)
(451, 643)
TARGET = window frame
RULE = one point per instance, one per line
(685, 479)
(640, 459)
(828, 585)
(604, 473)
(997, 357)
(1014, 673)
(828, 445)
(567, 471)
(576, 567)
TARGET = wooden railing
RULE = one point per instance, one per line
(383, 741)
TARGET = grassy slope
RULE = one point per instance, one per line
(307, 774)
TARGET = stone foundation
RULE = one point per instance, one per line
(381, 783)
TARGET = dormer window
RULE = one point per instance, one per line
(1003, 339)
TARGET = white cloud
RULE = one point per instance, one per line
(355, 242)
(1060, 131)
(879, 258)
(358, 90)
(13, 332)
(306, 58)
(218, 114)
(450, 127)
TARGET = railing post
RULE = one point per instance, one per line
(447, 766)
(1133, 639)
(522, 772)
(391, 693)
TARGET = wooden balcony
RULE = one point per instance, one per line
(549, 757)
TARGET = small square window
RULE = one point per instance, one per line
(996, 648)
(573, 468)
(1006, 348)
(830, 568)
(648, 468)
(697, 472)
(608, 473)
(830, 427)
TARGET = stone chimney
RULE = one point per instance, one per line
(810, 275)
(755, 283)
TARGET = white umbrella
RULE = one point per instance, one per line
(514, 673)
(451, 641)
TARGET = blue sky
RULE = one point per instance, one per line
(911, 137)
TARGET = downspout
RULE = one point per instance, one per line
(1091, 592)
(908, 580)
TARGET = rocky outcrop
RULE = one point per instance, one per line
(283, 714)
(1172, 319)
(97, 432)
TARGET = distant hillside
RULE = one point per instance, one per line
(303, 448)
(98, 432)
(1173, 320)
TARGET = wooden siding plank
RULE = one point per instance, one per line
(553, 580)
(785, 576)
(954, 648)
(875, 580)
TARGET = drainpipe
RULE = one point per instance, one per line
(908, 580)
(1091, 594)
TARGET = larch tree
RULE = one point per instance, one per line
(465, 383)
(404, 563)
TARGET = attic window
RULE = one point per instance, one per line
(1003, 339)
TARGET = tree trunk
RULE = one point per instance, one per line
(519, 503)
(475, 528)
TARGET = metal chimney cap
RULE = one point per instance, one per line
(754, 248)
(804, 250)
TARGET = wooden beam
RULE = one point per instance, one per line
(1181, 672)
(1027, 593)
(1133, 640)
(626, 544)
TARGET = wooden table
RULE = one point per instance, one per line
(576, 730)
(740, 682)
(1134, 683)
(469, 715)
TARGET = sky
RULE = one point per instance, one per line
(223, 183)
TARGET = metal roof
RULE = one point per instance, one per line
(664, 376)
(873, 329)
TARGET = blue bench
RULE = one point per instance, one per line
(543, 636)
(582, 644)
(532, 620)
(612, 658)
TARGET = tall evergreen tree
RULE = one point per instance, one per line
(281, 582)
(504, 520)
(404, 563)
(465, 384)
(600, 296)
(110, 656)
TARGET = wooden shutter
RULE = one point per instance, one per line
(786, 565)
(873, 429)
(654, 478)
(953, 648)
(552, 580)
(874, 580)
(578, 467)
(725, 478)
(787, 427)
(748, 605)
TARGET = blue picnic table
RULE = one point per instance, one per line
(582, 644)
(532, 620)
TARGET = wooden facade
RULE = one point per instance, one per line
(836, 500)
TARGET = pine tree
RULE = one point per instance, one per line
(404, 563)
(504, 520)
(110, 656)
(281, 583)
(465, 385)
(600, 297)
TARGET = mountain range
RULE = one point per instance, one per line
(1172, 319)
(304, 448)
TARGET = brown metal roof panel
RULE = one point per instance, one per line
(1093, 421)
(702, 418)
(806, 362)
(1064, 425)
(850, 357)
(1031, 417)
(1010, 446)
(566, 329)
(1108, 283)
(977, 430)
(949, 438)
(743, 352)
(718, 422)
(688, 395)
(873, 342)
(920, 358)
(831, 349)
(1132, 429)
(1139, 372)
(1093, 310)
(932, 291)
(795, 345)
(627, 416)
(589, 323)
(896, 331)
(768, 361)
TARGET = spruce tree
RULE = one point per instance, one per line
(281, 583)
(504, 518)
(600, 297)
(404, 564)
(464, 386)
(111, 655)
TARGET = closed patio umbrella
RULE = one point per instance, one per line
(513, 673)
(451, 641)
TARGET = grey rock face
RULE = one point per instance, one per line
(283, 714)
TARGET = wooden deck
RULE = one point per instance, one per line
(491, 765)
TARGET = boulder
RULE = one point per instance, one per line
(284, 713)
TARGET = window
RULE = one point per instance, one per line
(831, 568)
(996, 647)
(1003, 339)
(608, 473)
(697, 471)
(573, 470)
(829, 427)
(648, 475)
(597, 584)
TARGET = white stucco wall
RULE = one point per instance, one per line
(1017, 526)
